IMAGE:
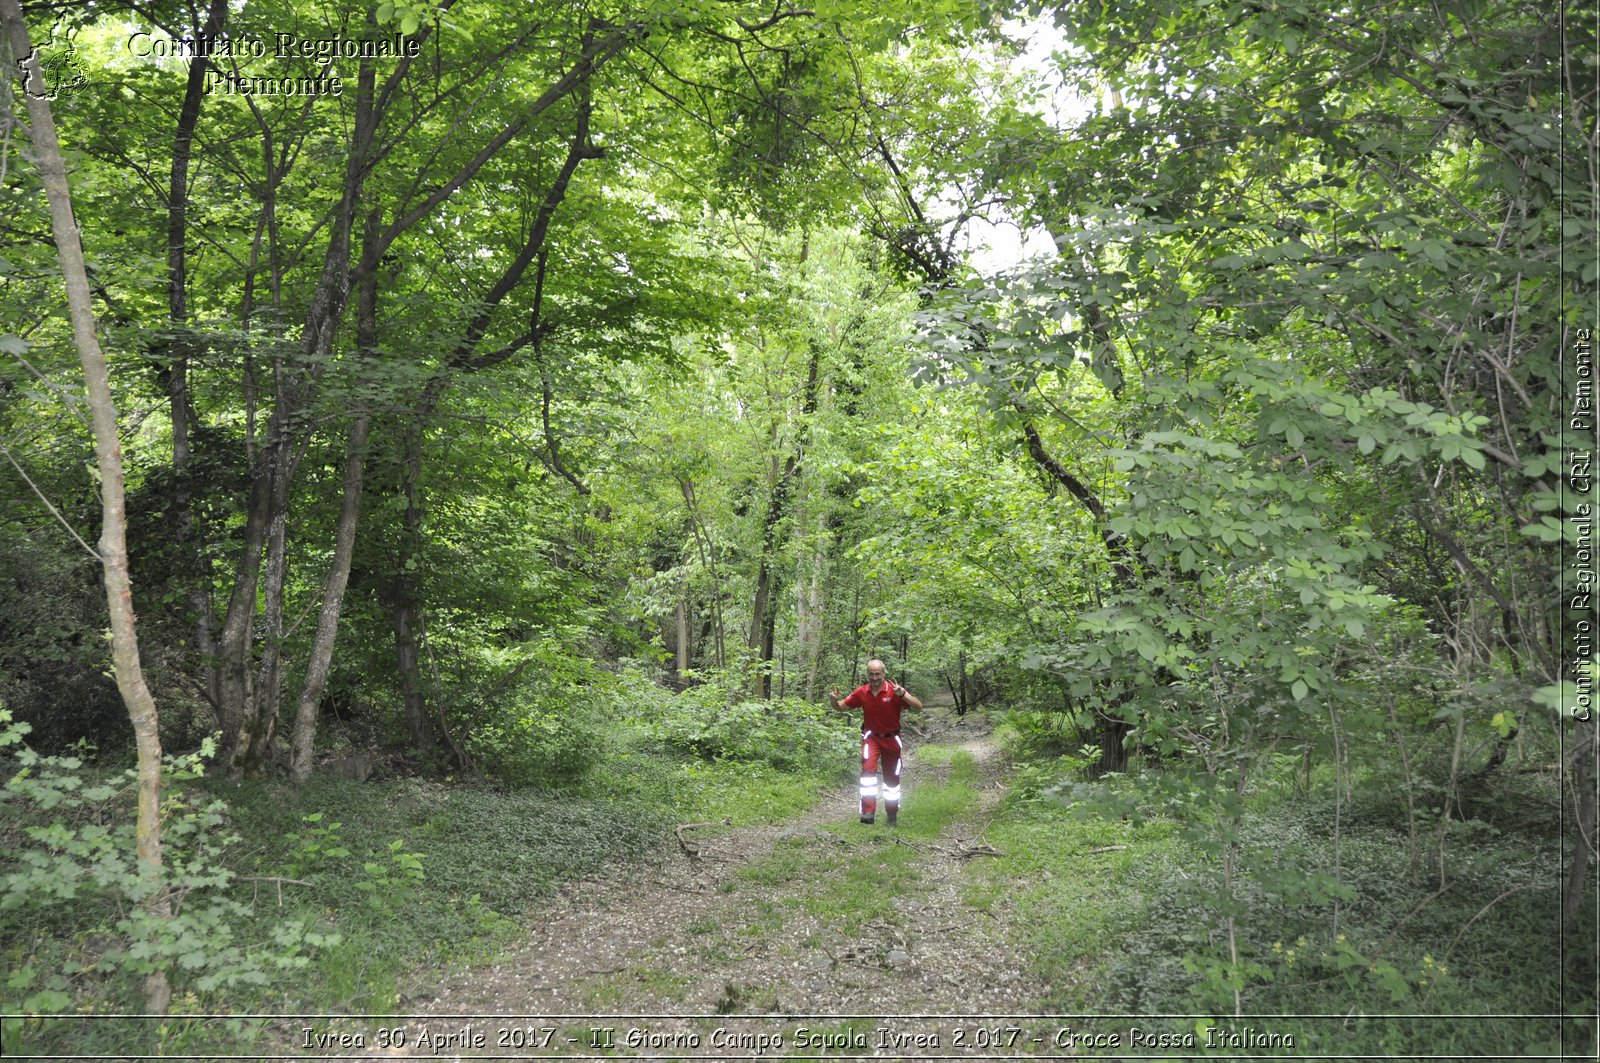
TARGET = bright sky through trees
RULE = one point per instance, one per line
(1001, 243)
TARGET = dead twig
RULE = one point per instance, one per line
(916, 845)
(958, 851)
(1105, 849)
(884, 928)
(693, 851)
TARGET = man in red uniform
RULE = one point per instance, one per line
(880, 701)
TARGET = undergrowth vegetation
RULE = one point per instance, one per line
(346, 890)
(1427, 930)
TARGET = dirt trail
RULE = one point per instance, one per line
(754, 924)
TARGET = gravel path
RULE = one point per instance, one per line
(741, 927)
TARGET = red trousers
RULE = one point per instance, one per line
(880, 751)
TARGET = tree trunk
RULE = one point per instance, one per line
(1111, 734)
(404, 600)
(708, 559)
(407, 657)
(755, 638)
(266, 694)
(319, 662)
(808, 594)
(761, 626)
(961, 691)
(286, 439)
(177, 372)
(295, 396)
(683, 656)
(811, 639)
(768, 641)
(706, 639)
(113, 547)
(233, 646)
(855, 635)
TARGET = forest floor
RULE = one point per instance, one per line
(822, 922)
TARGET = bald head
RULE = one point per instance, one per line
(875, 671)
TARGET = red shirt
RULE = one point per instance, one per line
(880, 712)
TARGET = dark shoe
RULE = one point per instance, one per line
(866, 819)
(891, 820)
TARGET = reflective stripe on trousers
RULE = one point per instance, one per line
(879, 751)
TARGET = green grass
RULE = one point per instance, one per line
(789, 862)
(929, 809)
(934, 755)
(867, 877)
(608, 992)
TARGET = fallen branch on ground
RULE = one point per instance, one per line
(960, 852)
(693, 851)
(913, 845)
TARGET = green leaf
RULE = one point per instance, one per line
(46, 1001)
(1505, 722)
(1299, 689)
(1548, 530)
(459, 31)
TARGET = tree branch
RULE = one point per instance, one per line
(53, 510)
(594, 54)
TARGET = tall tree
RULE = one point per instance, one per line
(112, 547)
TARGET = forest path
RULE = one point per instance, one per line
(817, 918)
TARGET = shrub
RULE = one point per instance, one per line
(77, 873)
(546, 728)
(52, 667)
(786, 733)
